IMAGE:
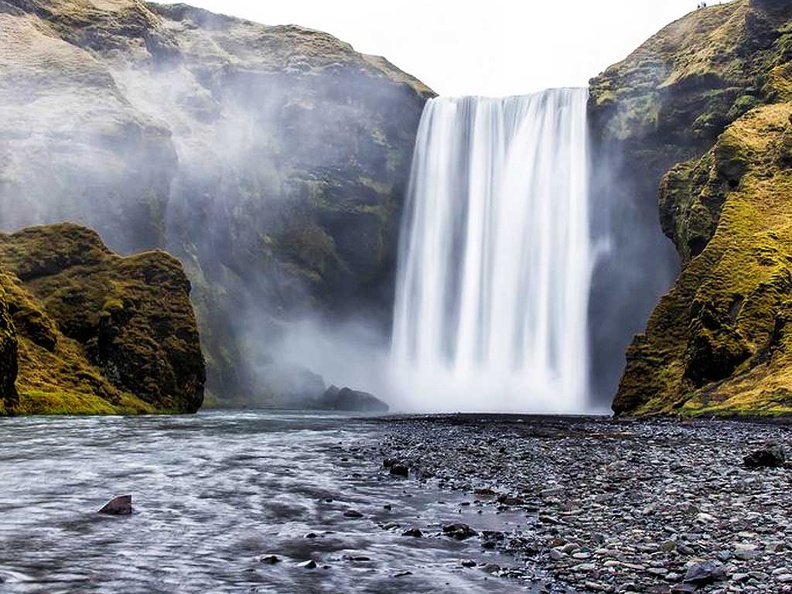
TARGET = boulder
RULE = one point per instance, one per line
(348, 400)
(769, 457)
(702, 574)
(120, 506)
(459, 531)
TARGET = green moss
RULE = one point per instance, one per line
(100, 334)
(8, 355)
(718, 342)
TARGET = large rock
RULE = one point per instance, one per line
(346, 399)
(98, 333)
(271, 160)
(655, 117)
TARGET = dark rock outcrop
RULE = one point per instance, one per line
(98, 333)
(700, 111)
(346, 399)
(772, 456)
(271, 160)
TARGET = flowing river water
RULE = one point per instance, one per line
(213, 494)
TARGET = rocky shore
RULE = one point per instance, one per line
(612, 505)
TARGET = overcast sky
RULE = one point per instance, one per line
(489, 47)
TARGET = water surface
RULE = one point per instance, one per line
(213, 494)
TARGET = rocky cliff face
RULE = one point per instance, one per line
(91, 332)
(8, 358)
(703, 106)
(271, 160)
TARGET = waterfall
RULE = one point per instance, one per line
(494, 262)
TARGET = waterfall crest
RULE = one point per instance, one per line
(494, 263)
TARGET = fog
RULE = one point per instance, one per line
(275, 178)
(278, 182)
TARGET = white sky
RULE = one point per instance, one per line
(489, 47)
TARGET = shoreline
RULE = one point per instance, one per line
(614, 505)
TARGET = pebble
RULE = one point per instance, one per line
(615, 505)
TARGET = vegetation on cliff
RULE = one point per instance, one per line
(719, 341)
(96, 333)
(706, 104)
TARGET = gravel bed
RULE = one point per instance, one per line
(614, 505)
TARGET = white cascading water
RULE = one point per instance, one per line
(494, 264)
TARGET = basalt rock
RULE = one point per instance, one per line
(8, 357)
(346, 399)
(770, 457)
(97, 333)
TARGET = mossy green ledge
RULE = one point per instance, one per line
(720, 342)
(84, 331)
(698, 111)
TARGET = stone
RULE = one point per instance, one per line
(346, 399)
(459, 531)
(702, 574)
(120, 506)
(311, 564)
(769, 457)
(400, 470)
(352, 513)
(270, 560)
(413, 532)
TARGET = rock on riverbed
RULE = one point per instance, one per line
(616, 505)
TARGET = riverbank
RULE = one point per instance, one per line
(614, 505)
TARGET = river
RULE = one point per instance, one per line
(213, 494)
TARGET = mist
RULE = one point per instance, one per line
(271, 161)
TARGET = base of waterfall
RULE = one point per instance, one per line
(441, 391)
(609, 505)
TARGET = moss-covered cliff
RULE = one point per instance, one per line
(8, 358)
(271, 160)
(705, 107)
(91, 332)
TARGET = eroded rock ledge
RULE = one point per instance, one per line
(91, 332)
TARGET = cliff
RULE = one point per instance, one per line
(88, 332)
(702, 112)
(271, 160)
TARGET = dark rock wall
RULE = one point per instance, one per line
(8, 357)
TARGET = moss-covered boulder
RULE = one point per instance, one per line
(272, 161)
(98, 333)
(719, 342)
(655, 118)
